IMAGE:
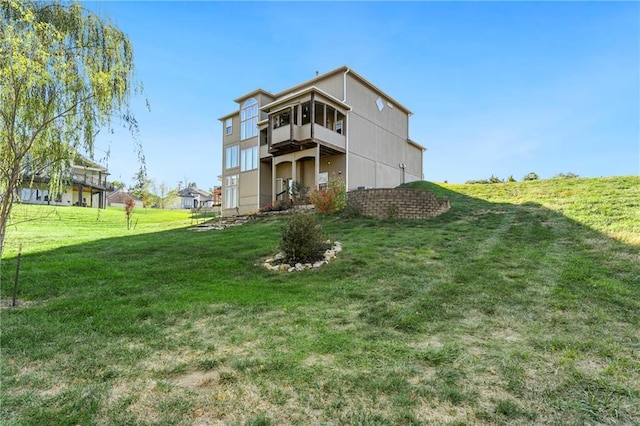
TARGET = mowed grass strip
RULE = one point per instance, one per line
(516, 307)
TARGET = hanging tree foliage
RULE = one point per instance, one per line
(64, 74)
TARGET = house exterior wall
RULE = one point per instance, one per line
(375, 141)
(266, 184)
(333, 85)
(138, 204)
(248, 191)
(378, 140)
(91, 180)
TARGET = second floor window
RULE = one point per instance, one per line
(249, 159)
(228, 126)
(231, 157)
(249, 119)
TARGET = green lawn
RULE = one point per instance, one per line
(521, 305)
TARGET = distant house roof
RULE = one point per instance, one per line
(201, 194)
(193, 192)
(82, 161)
(120, 197)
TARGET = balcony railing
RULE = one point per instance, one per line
(322, 135)
(92, 180)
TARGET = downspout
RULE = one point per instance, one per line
(344, 85)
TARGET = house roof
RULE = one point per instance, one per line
(343, 69)
(193, 192)
(312, 82)
(121, 196)
(81, 161)
(252, 94)
(417, 145)
(289, 96)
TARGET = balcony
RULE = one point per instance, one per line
(291, 137)
(95, 181)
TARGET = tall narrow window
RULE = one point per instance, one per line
(228, 126)
(249, 159)
(231, 157)
(231, 192)
(249, 119)
(25, 194)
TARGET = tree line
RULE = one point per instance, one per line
(527, 177)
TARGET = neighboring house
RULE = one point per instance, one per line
(191, 198)
(85, 184)
(337, 125)
(217, 195)
(119, 198)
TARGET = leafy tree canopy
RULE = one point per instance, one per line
(64, 74)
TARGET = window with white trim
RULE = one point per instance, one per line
(231, 192)
(25, 194)
(228, 126)
(249, 159)
(231, 157)
(249, 119)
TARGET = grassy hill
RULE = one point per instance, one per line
(521, 305)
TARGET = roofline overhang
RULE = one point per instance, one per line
(344, 69)
(230, 115)
(417, 145)
(312, 89)
(253, 93)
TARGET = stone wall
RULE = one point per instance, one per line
(402, 203)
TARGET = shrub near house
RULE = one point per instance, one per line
(330, 199)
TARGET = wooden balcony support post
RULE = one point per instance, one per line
(312, 113)
(273, 179)
(291, 123)
(317, 167)
(269, 132)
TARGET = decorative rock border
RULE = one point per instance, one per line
(273, 265)
(220, 224)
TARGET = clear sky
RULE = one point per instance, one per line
(496, 88)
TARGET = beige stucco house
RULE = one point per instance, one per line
(84, 184)
(337, 125)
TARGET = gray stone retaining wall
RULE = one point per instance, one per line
(402, 203)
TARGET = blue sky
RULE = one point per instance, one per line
(496, 88)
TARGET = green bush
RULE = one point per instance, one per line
(303, 239)
(351, 211)
(531, 176)
(299, 192)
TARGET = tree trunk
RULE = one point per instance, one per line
(6, 202)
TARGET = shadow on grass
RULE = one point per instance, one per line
(518, 289)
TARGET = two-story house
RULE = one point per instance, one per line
(337, 125)
(84, 184)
